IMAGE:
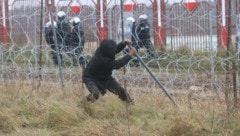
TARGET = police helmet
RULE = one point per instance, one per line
(143, 16)
(61, 14)
(48, 24)
(131, 19)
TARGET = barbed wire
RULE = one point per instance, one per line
(179, 67)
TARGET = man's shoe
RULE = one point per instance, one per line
(130, 101)
(90, 98)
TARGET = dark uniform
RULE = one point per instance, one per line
(143, 34)
(49, 36)
(98, 74)
(78, 41)
(134, 40)
(64, 37)
(133, 37)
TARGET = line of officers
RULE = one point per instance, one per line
(139, 33)
(70, 39)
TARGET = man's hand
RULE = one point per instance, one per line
(128, 42)
(132, 51)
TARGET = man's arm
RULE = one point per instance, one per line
(124, 60)
(121, 62)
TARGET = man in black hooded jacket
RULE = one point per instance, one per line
(98, 74)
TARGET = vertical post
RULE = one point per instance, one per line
(222, 22)
(35, 41)
(4, 21)
(40, 42)
(238, 51)
(122, 27)
(101, 19)
(229, 70)
(40, 48)
(234, 61)
(124, 70)
(159, 24)
(211, 50)
(49, 7)
(122, 22)
(56, 44)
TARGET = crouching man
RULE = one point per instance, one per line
(98, 73)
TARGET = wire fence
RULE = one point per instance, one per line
(196, 46)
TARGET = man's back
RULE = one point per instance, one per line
(103, 62)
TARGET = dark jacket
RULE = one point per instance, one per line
(49, 35)
(103, 62)
(78, 36)
(64, 30)
(143, 30)
(134, 34)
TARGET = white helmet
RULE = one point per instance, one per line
(50, 24)
(131, 19)
(75, 20)
(61, 14)
(143, 16)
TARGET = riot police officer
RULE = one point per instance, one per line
(143, 35)
(49, 37)
(78, 41)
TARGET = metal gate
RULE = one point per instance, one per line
(192, 29)
(24, 21)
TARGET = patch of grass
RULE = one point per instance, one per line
(51, 112)
(8, 121)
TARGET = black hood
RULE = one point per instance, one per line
(108, 48)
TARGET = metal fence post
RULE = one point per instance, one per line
(56, 45)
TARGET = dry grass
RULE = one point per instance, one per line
(51, 112)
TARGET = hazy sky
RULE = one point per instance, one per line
(117, 2)
(111, 2)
